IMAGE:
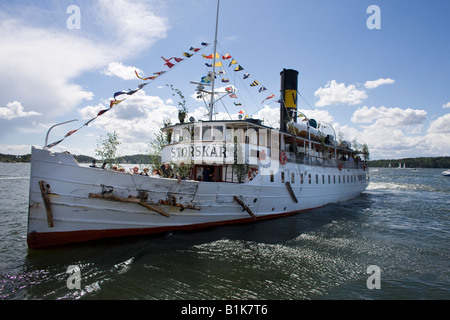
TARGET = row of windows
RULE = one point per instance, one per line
(330, 179)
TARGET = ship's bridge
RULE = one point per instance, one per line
(225, 146)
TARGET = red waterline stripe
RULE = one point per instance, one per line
(51, 239)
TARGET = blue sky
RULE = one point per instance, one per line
(386, 87)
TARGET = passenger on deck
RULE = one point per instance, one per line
(166, 170)
(156, 173)
(207, 175)
(182, 173)
(145, 172)
(135, 170)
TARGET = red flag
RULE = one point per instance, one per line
(102, 112)
(226, 56)
(269, 97)
(69, 133)
(169, 64)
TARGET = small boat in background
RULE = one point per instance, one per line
(446, 173)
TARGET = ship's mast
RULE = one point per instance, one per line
(211, 109)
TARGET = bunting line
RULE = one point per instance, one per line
(130, 92)
(237, 68)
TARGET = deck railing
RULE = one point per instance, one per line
(319, 161)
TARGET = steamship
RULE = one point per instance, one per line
(239, 171)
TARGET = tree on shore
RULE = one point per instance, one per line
(107, 149)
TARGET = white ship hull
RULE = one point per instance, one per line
(70, 203)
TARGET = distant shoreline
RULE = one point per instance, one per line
(420, 162)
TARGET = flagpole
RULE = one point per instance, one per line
(211, 110)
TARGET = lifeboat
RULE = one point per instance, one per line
(301, 129)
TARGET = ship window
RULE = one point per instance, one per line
(309, 178)
(213, 133)
(334, 179)
(271, 176)
(323, 179)
(282, 177)
(252, 136)
(329, 179)
(176, 135)
(317, 179)
(292, 177)
(197, 133)
(262, 138)
(301, 178)
(236, 135)
(339, 179)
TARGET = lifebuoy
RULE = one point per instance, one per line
(283, 158)
(340, 165)
(252, 173)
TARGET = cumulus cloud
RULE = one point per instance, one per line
(136, 120)
(376, 83)
(16, 149)
(40, 65)
(440, 125)
(388, 117)
(399, 133)
(270, 116)
(15, 110)
(446, 105)
(133, 24)
(338, 93)
(438, 136)
(122, 71)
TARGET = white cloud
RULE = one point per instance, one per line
(118, 69)
(15, 149)
(338, 93)
(376, 83)
(388, 117)
(440, 125)
(270, 116)
(446, 105)
(133, 24)
(136, 120)
(40, 65)
(15, 110)
(399, 133)
(438, 137)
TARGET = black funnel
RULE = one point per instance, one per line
(288, 105)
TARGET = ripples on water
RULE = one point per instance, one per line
(401, 224)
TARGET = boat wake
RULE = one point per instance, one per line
(375, 186)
